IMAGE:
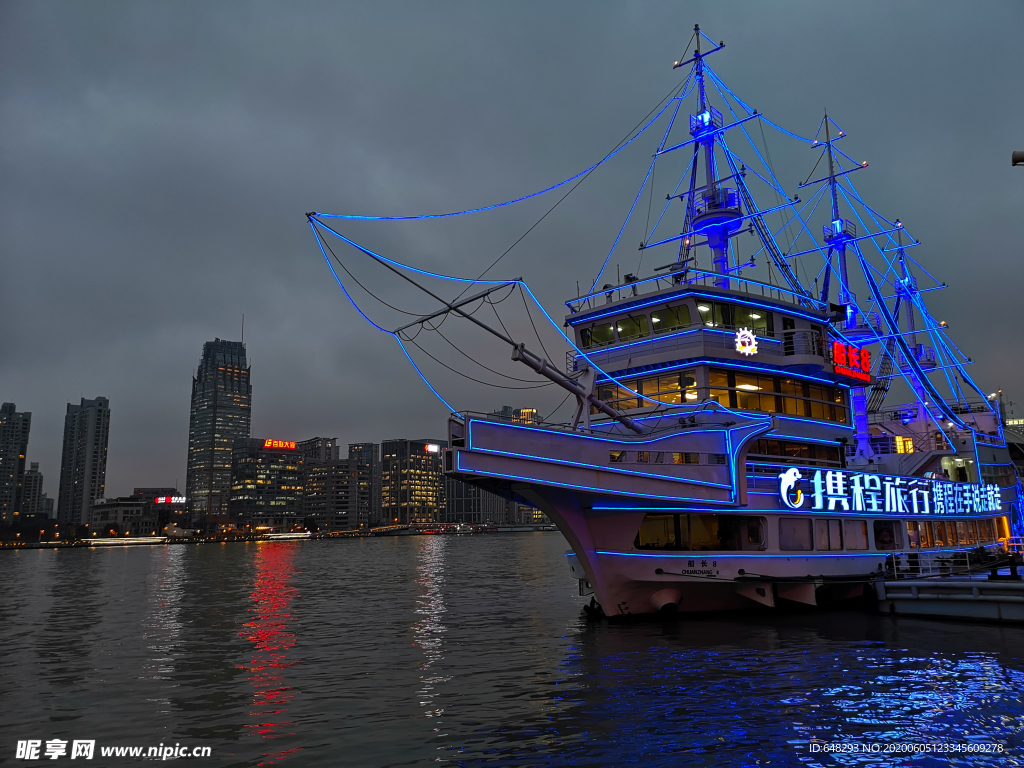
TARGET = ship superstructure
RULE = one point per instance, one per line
(733, 442)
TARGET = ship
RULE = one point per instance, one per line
(733, 443)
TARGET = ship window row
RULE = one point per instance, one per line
(778, 394)
(733, 533)
(712, 314)
(815, 455)
(665, 457)
(673, 388)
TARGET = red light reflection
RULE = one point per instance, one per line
(268, 631)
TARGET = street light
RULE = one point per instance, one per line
(1017, 158)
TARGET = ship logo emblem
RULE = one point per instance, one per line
(787, 481)
(746, 342)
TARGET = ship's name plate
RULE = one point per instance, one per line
(834, 490)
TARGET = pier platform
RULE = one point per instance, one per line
(998, 598)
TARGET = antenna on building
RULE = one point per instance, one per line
(243, 327)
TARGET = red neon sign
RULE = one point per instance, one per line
(851, 361)
(288, 445)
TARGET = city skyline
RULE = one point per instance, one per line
(167, 177)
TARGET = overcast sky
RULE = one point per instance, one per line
(157, 159)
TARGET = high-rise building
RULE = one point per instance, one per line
(368, 455)
(32, 491)
(465, 503)
(517, 415)
(412, 483)
(220, 415)
(318, 449)
(334, 495)
(266, 485)
(83, 464)
(14, 428)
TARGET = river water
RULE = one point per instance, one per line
(467, 650)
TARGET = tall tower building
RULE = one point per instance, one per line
(83, 463)
(14, 429)
(220, 415)
(368, 455)
(32, 494)
(412, 482)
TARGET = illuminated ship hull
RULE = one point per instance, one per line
(748, 500)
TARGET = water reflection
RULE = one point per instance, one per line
(728, 692)
(268, 631)
(429, 630)
(162, 627)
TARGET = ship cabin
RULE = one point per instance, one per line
(758, 348)
(697, 336)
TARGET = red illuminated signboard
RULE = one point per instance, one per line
(851, 361)
(169, 500)
(268, 443)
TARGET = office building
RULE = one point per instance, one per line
(465, 503)
(335, 495)
(266, 486)
(368, 454)
(412, 483)
(517, 415)
(220, 415)
(83, 464)
(14, 429)
(32, 491)
(318, 449)
(165, 507)
(123, 515)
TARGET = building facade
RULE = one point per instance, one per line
(266, 491)
(335, 495)
(14, 429)
(318, 449)
(220, 415)
(33, 500)
(465, 503)
(412, 481)
(368, 455)
(83, 464)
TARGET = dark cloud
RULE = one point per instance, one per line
(157, 160)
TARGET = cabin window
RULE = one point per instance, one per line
(702, 533)
(670, 388)
(632, 327)
(686, 458)
(659, 532)
(963, 532)
(617, 457)
(778, 394)
(1002, 528)
(760, 321)
(718, 458)
(670, 318)
(912, 535)
(795, 534)
(643, 457)
(597, 335)
(985, 530)
(924, 534)
(887, 534)
(855, 532)
(828, 535)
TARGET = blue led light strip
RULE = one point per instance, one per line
(613, 470)
(459, 467)
(508, 202)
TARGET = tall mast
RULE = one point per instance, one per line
(840, 232)
(717, 215)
